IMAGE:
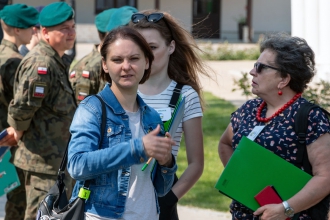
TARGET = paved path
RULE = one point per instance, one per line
(221, 86)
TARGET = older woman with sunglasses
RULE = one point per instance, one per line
(285, 66)
(174, 70)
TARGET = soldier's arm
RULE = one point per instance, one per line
(9, 69)
(32, 84)
(85, 77)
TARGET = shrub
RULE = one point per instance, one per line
(320, 93)
(227, 52)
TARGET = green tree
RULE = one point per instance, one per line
(243, 84)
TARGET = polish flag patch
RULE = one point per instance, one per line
(72, 74)
(85, 74)
(39, 91)
(81, 96)
(42, 70)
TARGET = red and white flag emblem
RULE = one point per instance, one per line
(85, 74)
(42, 70)
(81, 95)
(39, 91)
(72, 74)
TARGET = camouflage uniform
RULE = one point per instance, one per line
(85, 75)
(43, 107)
(9, 61)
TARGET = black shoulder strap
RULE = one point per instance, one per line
(300, 126)
(65, 157)
(176, 95)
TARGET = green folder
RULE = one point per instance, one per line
(252, 167)
(8, 175)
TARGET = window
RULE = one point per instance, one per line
(101, 5)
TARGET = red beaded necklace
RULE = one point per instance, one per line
(263, 104)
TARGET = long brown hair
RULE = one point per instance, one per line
(185, 64)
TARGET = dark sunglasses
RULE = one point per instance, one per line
(154, 17)
(259, 66)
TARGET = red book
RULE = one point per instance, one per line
(268, 196)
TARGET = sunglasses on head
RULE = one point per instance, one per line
(153, 17)
(259, 66)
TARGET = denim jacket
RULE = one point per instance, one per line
(108, 168)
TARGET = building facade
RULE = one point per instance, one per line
(215, 19)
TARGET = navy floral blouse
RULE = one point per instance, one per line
(278, 136)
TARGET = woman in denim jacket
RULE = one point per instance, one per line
(134, 132)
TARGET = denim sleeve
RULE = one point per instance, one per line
(85, 160)
(164, 177)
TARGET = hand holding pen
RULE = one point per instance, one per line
(158, 147)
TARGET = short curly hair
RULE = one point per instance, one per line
(294, 58)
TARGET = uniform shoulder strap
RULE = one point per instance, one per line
(175, 95)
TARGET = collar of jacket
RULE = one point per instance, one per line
(111, 100)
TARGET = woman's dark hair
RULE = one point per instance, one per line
(184, 64)
(294, 57)
(126, 33)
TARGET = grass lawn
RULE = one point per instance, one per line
(203, 194)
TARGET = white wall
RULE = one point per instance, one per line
(84, 8)
(145, 4)
(181, 10)
(231, 11)
(34, 2)
(310, 20)
(85, 11)
(267, 16)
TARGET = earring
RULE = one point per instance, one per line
(280, 92)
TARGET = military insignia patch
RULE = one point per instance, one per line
(72, 74)
(42, 70)
(81, 95)
(85, 74)
(38, 91)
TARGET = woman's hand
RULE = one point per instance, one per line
(12, 138)
(159, 148)
(271, 212)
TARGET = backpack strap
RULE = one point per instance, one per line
(300, 127)
(60, 175)
(175, 95)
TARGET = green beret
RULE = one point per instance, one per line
(121, 17)
(102, 19)
(19, 15)
(55, 13)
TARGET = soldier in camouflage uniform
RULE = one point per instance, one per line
(17, 22)
(85, 75)
(43, 106)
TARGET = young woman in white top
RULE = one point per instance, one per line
(176, 61)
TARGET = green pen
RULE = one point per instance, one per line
(146, 165)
